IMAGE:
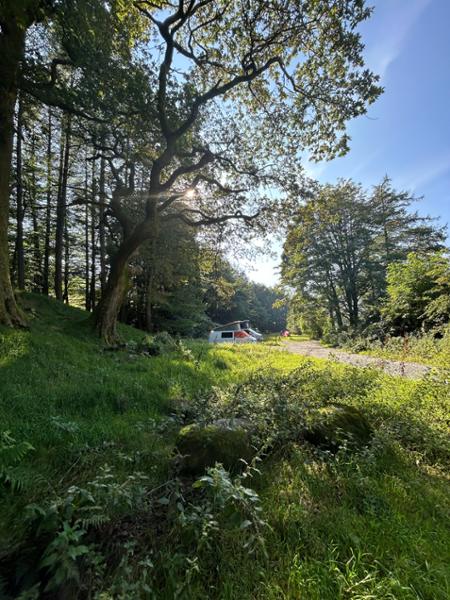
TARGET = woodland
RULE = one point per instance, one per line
(150, 152)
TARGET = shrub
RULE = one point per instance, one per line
(158, 345)
(276, 408)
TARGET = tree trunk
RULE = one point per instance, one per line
(20, 208)
(111, 301)
(334, 302)
(352, 305)
(48, 210)
(101, 227)
(37, 255)
(12, 40)
(61, 214)
(92, 290)
(66, 260)
(87, 297)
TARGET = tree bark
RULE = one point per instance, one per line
(48, 210)
(61, 208)
(12, 41)
(20, 208)
(92, 289)
(37, 254)
(101, 227)
(66, 260)
(112, 299)
(87, 297)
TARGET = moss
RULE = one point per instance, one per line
(338, 424)
(204, 446)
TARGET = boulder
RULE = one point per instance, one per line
(223, 441)
(336, 425)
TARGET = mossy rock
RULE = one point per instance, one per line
(336, 425)
(202, 446)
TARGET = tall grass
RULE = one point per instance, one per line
(427, 348)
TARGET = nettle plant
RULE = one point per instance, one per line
(61, 530)
(275, 407)
(225, 503)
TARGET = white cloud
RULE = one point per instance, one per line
(313, 170)
(425, 173)
(396, 24)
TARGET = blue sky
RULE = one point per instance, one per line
(406, 133)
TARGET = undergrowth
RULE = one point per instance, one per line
(432, 348)
(92, 505)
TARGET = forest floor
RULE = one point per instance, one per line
(91, 505)
(312, 348)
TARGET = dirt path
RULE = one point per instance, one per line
(392, 367)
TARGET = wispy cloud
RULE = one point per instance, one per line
(394, 28)
(425, 173)
(314, 170)
(361, 167)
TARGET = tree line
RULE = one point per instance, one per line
(123, 122)
(359, 260)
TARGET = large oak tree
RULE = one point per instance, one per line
(242, 87)
(212, 107)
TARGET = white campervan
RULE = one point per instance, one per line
(236, 332)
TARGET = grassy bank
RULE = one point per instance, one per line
(431, 348)
(88, 488)
(426, 349)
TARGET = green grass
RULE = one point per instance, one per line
(425, 349)
(366, 525)
(80, 405)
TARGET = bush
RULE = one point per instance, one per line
(163, 343)
(432, 347)
(158, 345)
(276, 410)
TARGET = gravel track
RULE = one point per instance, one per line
(392, 367)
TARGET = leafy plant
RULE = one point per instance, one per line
(12, 454)
(160, 344)
(64, 525)
(62, 555)
(134, 577)
(226, 502)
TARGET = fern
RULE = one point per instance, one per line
(12, 453)
(94, 521)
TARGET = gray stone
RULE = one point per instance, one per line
(336, 425)
(224, 441)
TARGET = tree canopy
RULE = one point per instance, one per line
(338, 249)
(204, 99)
(418, 293)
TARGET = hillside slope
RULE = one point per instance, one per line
(62, 390)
